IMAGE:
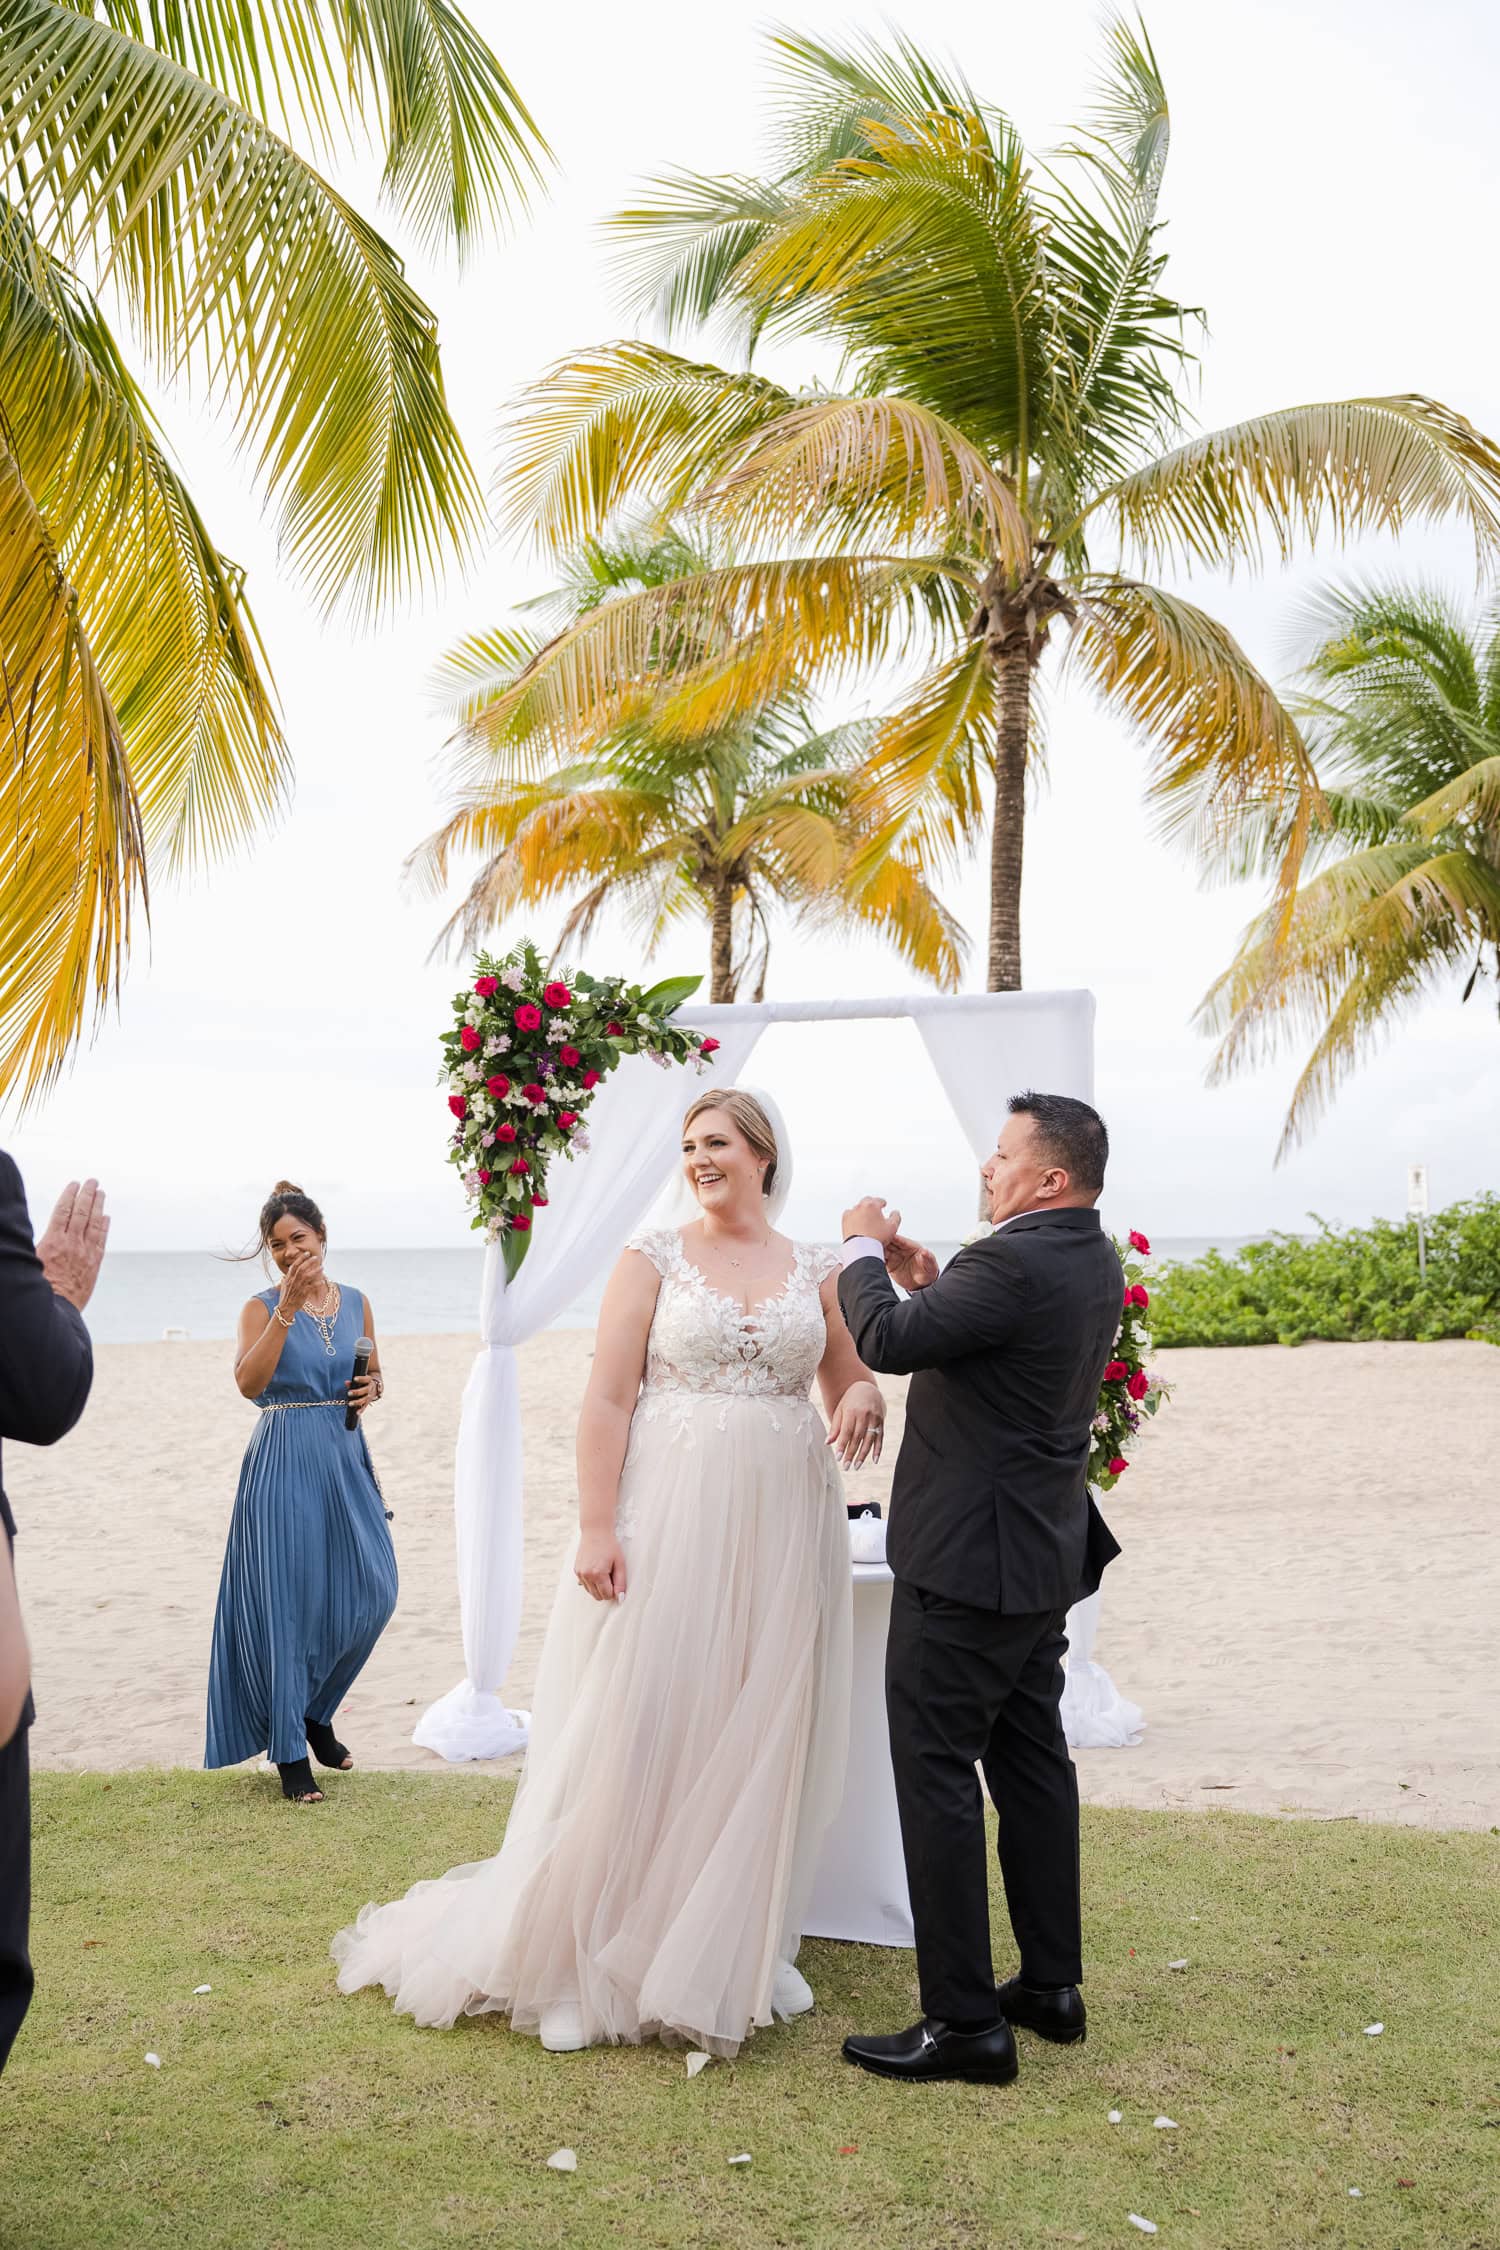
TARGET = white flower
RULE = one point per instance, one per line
(499, 1045)
(472, 1072)
(471, 1182)
(512, 979)
(644, 1020)
(662, 1062)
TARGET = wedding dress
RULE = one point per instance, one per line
(688, 1742)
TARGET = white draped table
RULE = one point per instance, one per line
(860, 1890)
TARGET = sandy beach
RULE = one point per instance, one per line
(1305, 1607)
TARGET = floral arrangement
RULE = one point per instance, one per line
(1128, 1390)
(527, 1053)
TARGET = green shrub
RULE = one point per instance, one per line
(1348, 1285)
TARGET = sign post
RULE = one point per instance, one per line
(1416, 1207)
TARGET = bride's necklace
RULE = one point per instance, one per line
(325, 1320)
(728, 1255)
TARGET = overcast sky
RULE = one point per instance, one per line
(1330, 194)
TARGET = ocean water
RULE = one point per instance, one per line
(145, 1295)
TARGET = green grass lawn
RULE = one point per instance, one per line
(285, 2115)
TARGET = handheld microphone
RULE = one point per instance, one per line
(363, 1352)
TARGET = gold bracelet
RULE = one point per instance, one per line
(277, 1314)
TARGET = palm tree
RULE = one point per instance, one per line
(664, 816)
(1403, 716)
(144, 151)
(1005, 459)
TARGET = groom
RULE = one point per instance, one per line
(993, 1535)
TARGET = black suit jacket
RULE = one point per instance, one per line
(1006, 1350)
(46, 1361)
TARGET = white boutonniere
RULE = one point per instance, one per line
(980, 1234)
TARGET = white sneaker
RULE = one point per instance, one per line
(791, 1994)
(561, 2029)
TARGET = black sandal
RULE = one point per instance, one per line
(297, 1783)
(326, 1746)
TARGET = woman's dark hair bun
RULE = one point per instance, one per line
(286, 1187)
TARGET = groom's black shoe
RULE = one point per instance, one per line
(933, 2050)
(1058, 2015)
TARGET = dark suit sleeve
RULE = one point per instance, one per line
(46, 1361)
(974, 1304)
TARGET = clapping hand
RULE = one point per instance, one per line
(72, 1249)
(908, 1264)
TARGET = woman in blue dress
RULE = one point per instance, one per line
(309, 1579)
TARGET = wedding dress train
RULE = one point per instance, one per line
(688, 1742)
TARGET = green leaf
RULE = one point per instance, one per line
(669, 994)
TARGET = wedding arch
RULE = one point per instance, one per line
(982, 1046)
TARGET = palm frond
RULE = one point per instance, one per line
(828, 96)
(1350, 467)
(680, 246)
(626, 423)
(241, 262)
(460, 147)
(920, 787)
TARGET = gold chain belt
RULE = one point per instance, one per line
(286, 1405)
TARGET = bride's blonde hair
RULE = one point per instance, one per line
(746, 1114)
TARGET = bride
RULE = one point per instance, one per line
(690, 1726)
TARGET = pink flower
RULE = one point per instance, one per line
(528, 1016)
(519, 1167)
(567, 1118)
(569, 1057)
(1116, 1371)
(483, 1178)
(1139, 1384)
(487, 987)
(498, 1086)
(1118, 1466)
(534, 1094)
(505, 1133)
(458, 1105)
(521, 1221)
(557, 996)
(709, 1047)
(1139, 1242)
(590, 1080)
(469, 1039)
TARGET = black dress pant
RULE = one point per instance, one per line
(15, 1886)
(967, 1687)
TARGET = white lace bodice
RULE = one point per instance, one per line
(702, 1341)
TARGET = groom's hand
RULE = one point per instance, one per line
(909, 1265)
(869, 1216)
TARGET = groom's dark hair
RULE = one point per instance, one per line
(1069, 1133)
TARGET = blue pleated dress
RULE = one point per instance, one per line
(309, 1579)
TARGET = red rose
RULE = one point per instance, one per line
(519, 1167)
(458, 1105)
(1118, 1466)
(1140, 1296)
(567, 1118)
(484, 1179)
(505, 1132)
(1139, 1242)
(569, 1057)
(709, 1047)
(528, 1016)
(590, 1080)
(557, 996)
(539, 1203)
(614, 1031)
(534, 1094)
(1139, 1384)
(521, 1221)
(469, 1039)
(1116, 1371)
(498, 1086)
(487, 987)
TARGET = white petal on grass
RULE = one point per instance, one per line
(1373, 2030)
(197, 1988)
(1114, 2116)
(1134, 2219)
(154, 2061)
(562, 2160)
(1177, 1964)
(1357, 2192)
(1165, 2124)
(739, 2160)
(697, 2062)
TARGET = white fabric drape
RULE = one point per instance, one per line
(1095, 1715)
(598, 1197)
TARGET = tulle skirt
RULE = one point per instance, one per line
(687, 1754)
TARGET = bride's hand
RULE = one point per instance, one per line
(858, 1426)
(600, 1566)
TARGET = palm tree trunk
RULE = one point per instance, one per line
(1013, 674)
(721, 943)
